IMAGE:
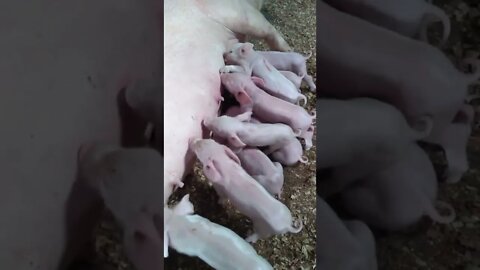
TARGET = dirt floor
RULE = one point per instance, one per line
(296, 20)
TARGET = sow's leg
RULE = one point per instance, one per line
(63, 64)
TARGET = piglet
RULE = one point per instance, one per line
(129, 181)
(360, 136)
(218, 246)
(269, 174)
(290, 154)
(247, 60)
(222, 167)
(407, 17)
(290, 62)
(240, 133)
(399, 195)
(343, 245)
(266, 108)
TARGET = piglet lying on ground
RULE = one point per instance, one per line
(360, 136)
(265, 107)
(240, 133)
(407, 17)
(269, 174)
(290, 61)
(343, 246)
(222, 167)
(252, 63)
(129, 181)
(398, 196)
(294, 78)
(218, 246)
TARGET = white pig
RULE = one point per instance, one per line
(218, 246)
(265, 107)
(222, 167)
(269, 174)
(241, 133)
(243, 55)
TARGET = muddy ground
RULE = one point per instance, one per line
(425, 246)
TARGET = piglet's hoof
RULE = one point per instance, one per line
(252, 238)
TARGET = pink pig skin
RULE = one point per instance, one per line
(63, 66)
(397, 196)
(222, 167)
(240, 133)
(294, 78)
(129, 181)
(407, 17)
(358, 137)
(413, 76)
(196, 36)
(269, 174)
(265, 107)
(245, 58)
(290, 154)
(291, 62)
(343, 245)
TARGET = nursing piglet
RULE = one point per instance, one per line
(343, 245)
(290, 154)
(222, 167)
(129, 181)
(266, 108)
(374, 62)
(290, 61)
(407, 17)
(240, 133)
(399, 195)
(246, 59)
(218, 246)
(358, 137)
(269, 174)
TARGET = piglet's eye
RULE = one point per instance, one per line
(230, 51)
(207, 167)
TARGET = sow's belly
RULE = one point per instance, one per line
(194, 47)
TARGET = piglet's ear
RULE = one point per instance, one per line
(246, 49)
(243, 98)
(232, 155)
